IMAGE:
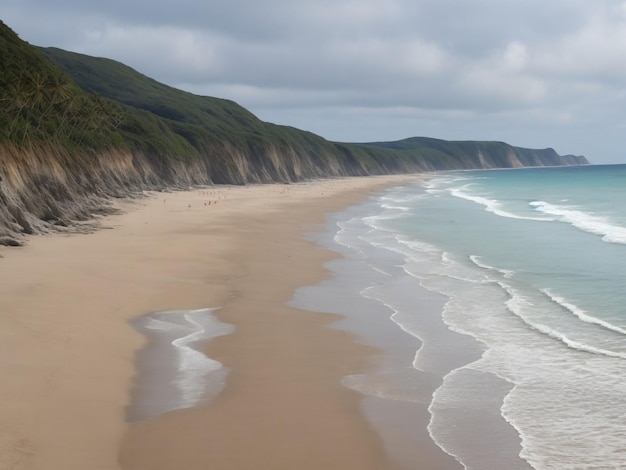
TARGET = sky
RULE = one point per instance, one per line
(532, 73)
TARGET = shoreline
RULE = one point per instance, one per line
(396, 394)
(69, 349)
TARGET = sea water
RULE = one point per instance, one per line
(529, 269)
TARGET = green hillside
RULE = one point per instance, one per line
(200, 120)
(207, 123)
(121, 83)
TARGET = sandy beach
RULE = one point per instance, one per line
(67, 348)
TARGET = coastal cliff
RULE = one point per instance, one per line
(76, 131)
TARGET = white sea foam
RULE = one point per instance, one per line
(516, 305)
(394, 317)
(396, 202)
(447, 268)
(507, 273)
(418, 246)
(517, 357)
(574, 344)
(598, 225)
(342, 236)
(379, 270)
(161, 325)
(194, 364)
(580, 313)
(492, 205)
(378, 222)
(393, 206)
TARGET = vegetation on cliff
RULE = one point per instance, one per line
(76, 130)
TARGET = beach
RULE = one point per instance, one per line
(69, 349)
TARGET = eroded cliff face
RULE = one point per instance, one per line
(515, 157)
(45, 189)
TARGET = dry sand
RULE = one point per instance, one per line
(67, 349)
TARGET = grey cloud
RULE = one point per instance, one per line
(497, 68)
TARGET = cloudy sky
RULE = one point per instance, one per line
(533, 73)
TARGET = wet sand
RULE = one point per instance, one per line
(67, 348)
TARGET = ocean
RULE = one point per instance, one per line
(498, 300)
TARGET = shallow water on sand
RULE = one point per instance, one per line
(172, 371)
(497, 298)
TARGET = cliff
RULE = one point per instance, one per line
(479, 154)
(76, 131)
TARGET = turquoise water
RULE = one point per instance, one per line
(531, 267)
